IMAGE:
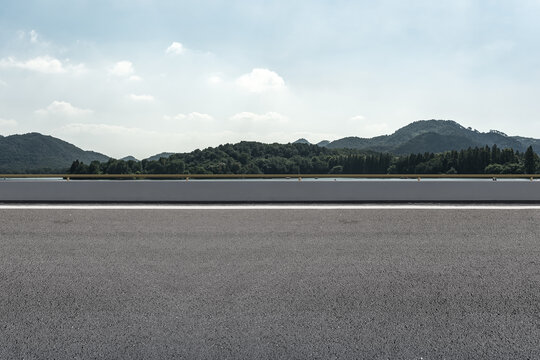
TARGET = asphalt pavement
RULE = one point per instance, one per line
(268, 284)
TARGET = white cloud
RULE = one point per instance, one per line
(63, 108)
(7, 123)
(33, 36)
(141, 98)
(3, 83)
(42, 64)
(122, 69)
(268, 118)
(175, 48)
(357, 118)
(200, 117)
(194, 116)
(77, 69)
(96, 129)
(215, 79)
(260, 80)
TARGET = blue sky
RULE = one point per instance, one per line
(141, 77)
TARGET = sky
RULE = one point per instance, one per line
(141, 77)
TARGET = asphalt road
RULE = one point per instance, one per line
(249, 284)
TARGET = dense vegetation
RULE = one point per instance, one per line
(438, 146)
(298, 158)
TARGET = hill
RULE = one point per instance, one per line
(160, 155)
(323, 143)
(435, 136)
(35, 152)
(129, 158)
(436, 143)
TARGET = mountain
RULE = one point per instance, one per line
(535, 143)
(129, 158)
(301, 141)
(304, 141)
(435, 136)
(160, 155)
(323, 143)
(436, 143)
(35, 152)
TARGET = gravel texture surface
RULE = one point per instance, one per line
(249, 284)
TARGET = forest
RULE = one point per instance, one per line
(258, 158)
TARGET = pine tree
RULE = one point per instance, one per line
(529, 161)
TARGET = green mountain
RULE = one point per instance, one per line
(435, 136)
(160, 155)
(301, 141)
(34, 152)
(436, 143)
(323, 143)
(129, 158)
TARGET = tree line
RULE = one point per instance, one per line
(258, 158)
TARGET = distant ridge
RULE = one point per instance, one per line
(323, 143)
(160, 155)
(304, 141)
(301, 141)
(434, 136)
(129, 158)
(34, 152)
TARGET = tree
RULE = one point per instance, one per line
(94, 167)
(529, 161)
(338, 169)
(74, 166)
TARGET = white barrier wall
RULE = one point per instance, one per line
(266, 191)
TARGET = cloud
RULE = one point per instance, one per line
(122, 69)
(215, 79)
(260, 80)
(63, 108)
(96, 129)
(175, 48)
(200, 116)
(7, 123)
(141, 98)
(42, 64)
(33, 36)
(268, 118)
(357, 118)
(194, 116)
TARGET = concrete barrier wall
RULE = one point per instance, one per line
(267, 191)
